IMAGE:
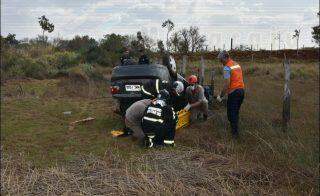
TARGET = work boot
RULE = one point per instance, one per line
(205, 117)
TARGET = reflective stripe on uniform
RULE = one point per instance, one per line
(157, 85)
(235, 67)
(153, 119)
(168, 141)
(145, 92)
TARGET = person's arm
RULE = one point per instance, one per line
(196, 104)
(225, 87)
(201, 97)
(226, 76)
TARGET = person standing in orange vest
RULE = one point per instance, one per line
(234, 88)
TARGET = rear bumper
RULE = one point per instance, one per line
(126, 96)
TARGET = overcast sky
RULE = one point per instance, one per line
(249, 22)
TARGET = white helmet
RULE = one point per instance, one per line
(178, 87)
(172, 63)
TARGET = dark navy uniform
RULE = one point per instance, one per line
(159, 123)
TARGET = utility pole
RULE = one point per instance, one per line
(279, 39)
(231, 44)
(224, 46)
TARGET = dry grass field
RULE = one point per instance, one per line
(40, 155)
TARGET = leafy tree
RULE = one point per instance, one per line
(170, 26)
(86, 46)
(45, 25)
(112, 46)
(11, 39)
(297, 36)
(316, 32)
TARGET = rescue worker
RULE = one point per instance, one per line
(178, 96)
(143, 59)
(133, 118)
(126, 59)
(234, 88)
(197, 102)
(159, 122)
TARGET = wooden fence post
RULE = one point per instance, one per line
(212, 83)
(184, 65)
(202, 69)
(286, 97)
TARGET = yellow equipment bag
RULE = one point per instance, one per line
(116, 133)
(183, 119)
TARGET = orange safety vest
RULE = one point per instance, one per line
(236, 79)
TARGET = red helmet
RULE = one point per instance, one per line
(192, 79)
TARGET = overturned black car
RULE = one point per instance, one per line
(130, 83)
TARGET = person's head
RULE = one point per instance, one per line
(126, 51)
(223, 57)
(142, 51)
(192, 80)
(163, 95)
(178, 88)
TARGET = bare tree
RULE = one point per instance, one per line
(297, 36)
(185, 41)
(160, 46)
(197, 40)
(174, 41)
(170, 26)
(140, 40)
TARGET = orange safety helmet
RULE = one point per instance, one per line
(192, 79)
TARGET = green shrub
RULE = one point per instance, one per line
(300, 73)
(92, 72)
(219, 70)
(25, 67)
(35, 70)
(251, 70)
(65, 59)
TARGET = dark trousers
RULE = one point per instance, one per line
(234, 102)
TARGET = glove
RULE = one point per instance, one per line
(219, 99)
(187, 107)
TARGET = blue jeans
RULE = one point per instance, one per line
(234, 102)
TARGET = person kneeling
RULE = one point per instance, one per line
(159, 122)
(197, 102)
